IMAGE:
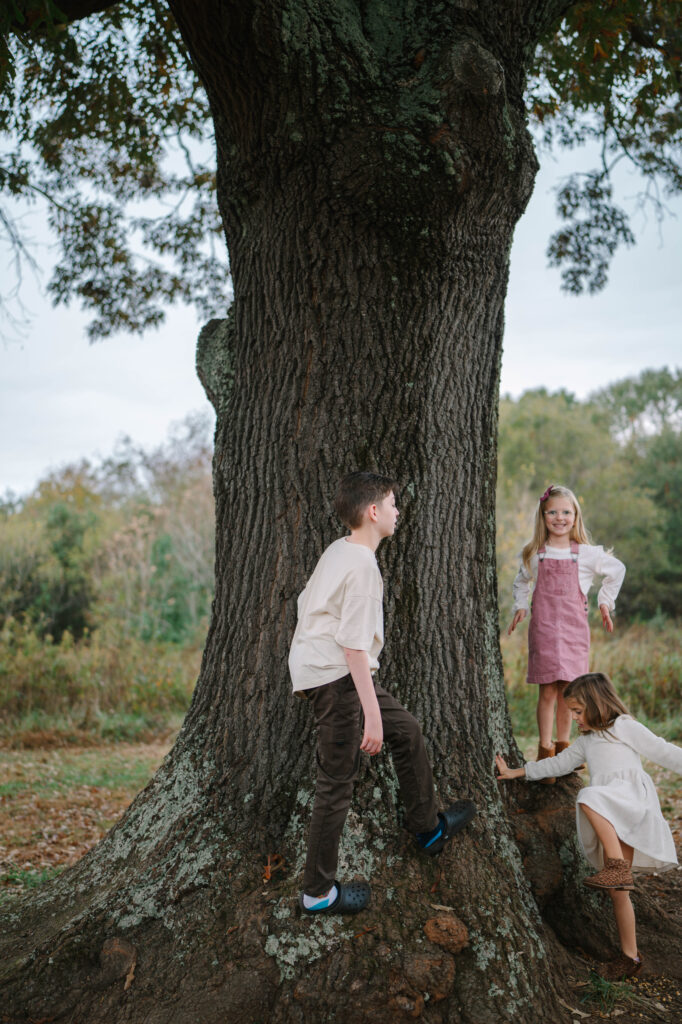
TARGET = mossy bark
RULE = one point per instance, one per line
(373, 161)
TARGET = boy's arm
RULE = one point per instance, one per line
(358, 666)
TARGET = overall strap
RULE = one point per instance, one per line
(574, 550)
(541, 553)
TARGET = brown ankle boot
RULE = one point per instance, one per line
(615, 874)
(622, 967)
(544, 752)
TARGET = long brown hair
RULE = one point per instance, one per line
(540, 532)
(602, 704)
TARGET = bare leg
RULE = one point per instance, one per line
(563, 715)
(625, 921)
(606, 834)
(547, 695)
(622, 904)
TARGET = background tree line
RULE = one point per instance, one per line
(106, 571)
(620, 451)
(106, 581)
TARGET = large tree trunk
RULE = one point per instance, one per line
(373, 166)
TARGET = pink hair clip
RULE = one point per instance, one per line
(545, 496)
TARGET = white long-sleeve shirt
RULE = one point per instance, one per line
(592, 561)
(620, 790)
(614, 752)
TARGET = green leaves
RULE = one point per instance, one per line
(106, 121)
(595, 227)
(612, 74)
(638, 407)
(109, 126)
(127, 544)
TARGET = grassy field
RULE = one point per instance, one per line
(57, 803)
(112, 688)
(108, 687)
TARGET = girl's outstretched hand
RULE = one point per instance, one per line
(519, 616)
(505, 772)
(606, 618)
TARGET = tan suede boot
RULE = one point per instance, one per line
(544, 752)
(615, 874)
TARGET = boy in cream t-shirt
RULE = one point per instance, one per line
(334, 653)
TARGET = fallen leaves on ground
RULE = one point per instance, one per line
(49, 818)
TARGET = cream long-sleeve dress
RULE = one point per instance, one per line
(620, 790)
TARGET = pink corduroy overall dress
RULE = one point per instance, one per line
(559, 634)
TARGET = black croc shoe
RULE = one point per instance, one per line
(351, 898)
(454, 818)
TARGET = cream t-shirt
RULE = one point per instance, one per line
(341, 606)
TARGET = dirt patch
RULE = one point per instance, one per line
(651, 999)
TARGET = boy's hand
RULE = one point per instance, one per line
(519, 616)
(505, 772)
(373, 738)
(606, 618)
(358, 666)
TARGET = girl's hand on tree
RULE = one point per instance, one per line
(606, 618)
(519, 616)
(505, 772)
(373, 738)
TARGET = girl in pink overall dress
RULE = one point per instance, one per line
(563, 563)
(559, 634)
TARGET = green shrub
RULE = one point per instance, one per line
(112, 686)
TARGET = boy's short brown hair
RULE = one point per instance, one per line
(358, 490)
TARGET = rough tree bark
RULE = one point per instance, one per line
(373, 161)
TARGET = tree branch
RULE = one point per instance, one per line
(545, 15)
(27, 13)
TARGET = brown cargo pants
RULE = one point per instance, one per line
(339, 719)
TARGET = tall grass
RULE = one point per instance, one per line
(643, 660)
(116, 686)
(106, 685)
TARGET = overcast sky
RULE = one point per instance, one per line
(62, 399)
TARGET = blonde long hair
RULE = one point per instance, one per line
(602, 704)
(540, 532)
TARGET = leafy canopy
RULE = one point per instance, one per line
(612, 75)
(104, 117)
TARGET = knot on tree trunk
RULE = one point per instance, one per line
(117, 958)
(431, 972)
(544, 828)
(448, 931)
(476, 70)
(214, 363)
